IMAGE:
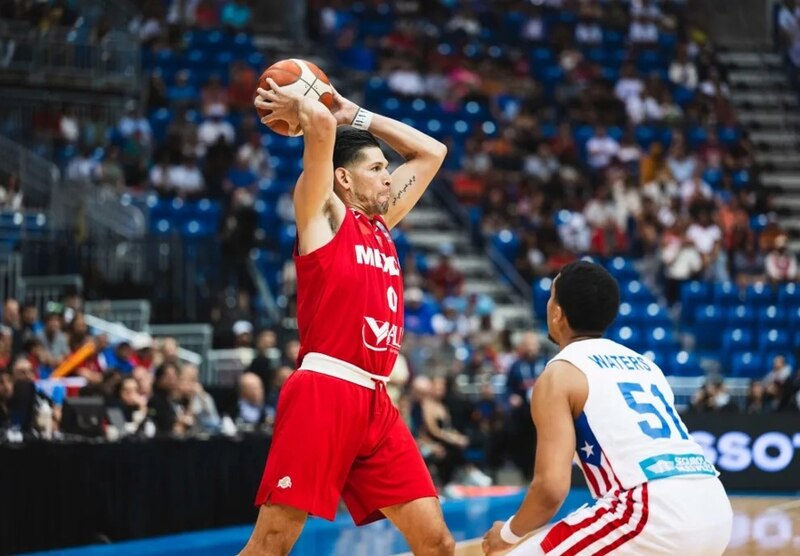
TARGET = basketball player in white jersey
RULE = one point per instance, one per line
(656, 494)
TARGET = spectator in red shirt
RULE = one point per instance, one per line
(445, 280)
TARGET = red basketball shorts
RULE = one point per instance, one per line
(333, 439)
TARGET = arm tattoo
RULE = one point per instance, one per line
(411, 181)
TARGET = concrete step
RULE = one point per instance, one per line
(785, 181)
(790, 223)
(769, 119)
(750, 59)
(431, 241)
(794, 245)
(491, 287)
(475, 266)
(514, 316)
(767, 99)
(783, 160)
(757, 78)
(791, 202)
(776, 139)
(428, 217)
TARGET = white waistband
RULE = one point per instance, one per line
(331, 366)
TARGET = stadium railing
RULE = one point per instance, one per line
(132, 313)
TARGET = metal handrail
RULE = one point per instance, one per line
(38, 176)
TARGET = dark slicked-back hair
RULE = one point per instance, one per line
(589, 297)
(349, 144)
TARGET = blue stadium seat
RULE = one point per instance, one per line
(161, 226)
(771, 317)
(759, 295)
(793, 318)
(657, 356)
(789, 295)
(507, 243)
(774, 340)
(713, 177)
(636, 292)
(645, 135)
(737, 339)
(726, 294)
(694, 295)
(709, 320)
(654, 315)
(630, 336)
(683, 363)
(196, 228)
(541, 293)
(622, 269)
(660, 338)
(741, 316)
(747, 364)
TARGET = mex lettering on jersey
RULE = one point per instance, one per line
(372, 256)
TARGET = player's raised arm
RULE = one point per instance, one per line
(423, 154)
(552, 407)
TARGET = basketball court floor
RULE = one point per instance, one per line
(764, 525)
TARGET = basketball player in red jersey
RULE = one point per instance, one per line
(336, 430)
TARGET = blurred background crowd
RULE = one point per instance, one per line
(592, 128)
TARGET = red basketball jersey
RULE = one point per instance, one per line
(350, 296)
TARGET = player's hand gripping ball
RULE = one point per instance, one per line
(296, 79)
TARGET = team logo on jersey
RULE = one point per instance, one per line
(285, 482)
(379, 335)
(372, 256)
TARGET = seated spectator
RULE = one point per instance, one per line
(54, 340)
(777, 380)
(6, 395)
(682, 165)
(119, 357)
(163, 405)
(629, 83)
(748, 264)
(437, 425)
(255, 155)
(418, 315)
(182, 92)
(196, 401)
(682, 260)
(128, 399)
(406, 80)
(707, 238)
(756, 401)
(213, 96)
(242, 84)
(236, 15)
(713, 396)
(524, 370)
(110, 173)
(588, 31)
(252, 409)
(643, 31)
(601, 149)
(185, 179)
(11, 192)
(214, 128)
(445, 279)
(781, 264)
(682, 70)
(267, 359)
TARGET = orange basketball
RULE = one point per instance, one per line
(302, 76)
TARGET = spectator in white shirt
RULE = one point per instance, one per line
(533, 29)
(83, 167)
(682, 70)
(588, 32)
(629, 83)
(134, 121)
(643, 31)
(601, 149)
(215, 128)
(406, 80)
(681, 259)
(186, 179)
(781, 264)
(681, 164)
(707, 238)
(695, 189)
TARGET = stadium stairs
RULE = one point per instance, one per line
(768, 107)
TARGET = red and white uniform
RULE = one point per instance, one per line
(336, 430)
(656, 492)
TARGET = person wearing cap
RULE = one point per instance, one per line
(242, 334)
(418, 315)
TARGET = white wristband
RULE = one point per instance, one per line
(363, 119)
(507, 534)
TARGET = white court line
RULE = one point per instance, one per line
(794, 504)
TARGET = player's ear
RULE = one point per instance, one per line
(343, 177)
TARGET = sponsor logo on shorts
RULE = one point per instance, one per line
(286, 482)
(379, 335)
(671, 465)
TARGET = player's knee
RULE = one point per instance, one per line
(441, 543)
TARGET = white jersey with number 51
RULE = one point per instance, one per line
(629, 432)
